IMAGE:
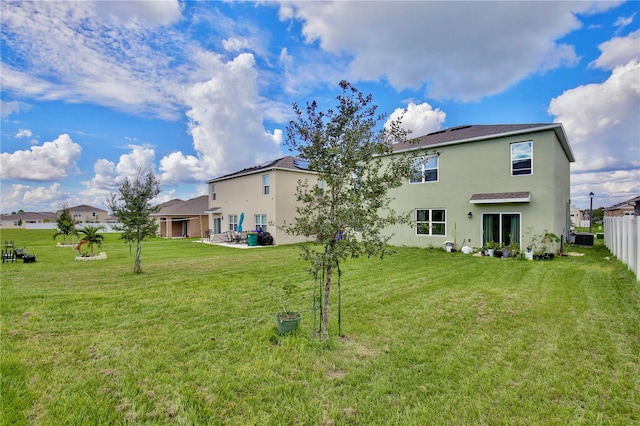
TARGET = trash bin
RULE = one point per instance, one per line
(448, 246)
(252, 239)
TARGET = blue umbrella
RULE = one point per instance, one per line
(240, 223)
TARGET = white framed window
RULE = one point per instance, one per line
(214, 194)
(522, 158)
(261, 222)
(265, 184)
(233, 222)
(431, 222)
(425, 169)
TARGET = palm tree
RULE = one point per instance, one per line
(92, 236)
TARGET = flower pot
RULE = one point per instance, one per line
(286, 322)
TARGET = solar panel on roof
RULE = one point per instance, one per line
(466, 126)
(301, 164)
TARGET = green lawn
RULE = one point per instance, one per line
(430, 338)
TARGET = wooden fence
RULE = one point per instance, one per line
(622, 238)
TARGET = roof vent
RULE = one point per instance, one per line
(460, 127)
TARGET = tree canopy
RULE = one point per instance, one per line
(65, 224)
(345, 212)
(131, 205)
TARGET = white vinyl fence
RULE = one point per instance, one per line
(108, 227)
(622, 238)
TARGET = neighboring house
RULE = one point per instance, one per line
(481, 183)
(265, 194)
(88, 214)
(577, 216)
(626, 208)
(180, 219)
(472, 185)
(21, 220)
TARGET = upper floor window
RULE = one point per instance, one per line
(522, 158)
(214, 195)
(261, 222)
(431, 222)
(425, 169)
(265, 184)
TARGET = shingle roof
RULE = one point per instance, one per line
(629, 203)
(85, 208)
(478, 132)
(286, 163)
(192, 207)
(501, 197)
(38, 216)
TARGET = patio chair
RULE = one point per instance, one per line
(231, 238)
(8, 255)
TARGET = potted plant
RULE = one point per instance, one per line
(549, 240)
(490, 247)
(287, 320)
(514, 250)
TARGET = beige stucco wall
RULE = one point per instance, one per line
(244, 194)
(485, 167)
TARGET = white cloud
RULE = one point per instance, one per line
(108, 175)
(96, 52)
(8, 108)
(235, 44)
(24, 133)
(463, 50)
(624, 21)
(177, 167)
(619, 50)
(420, 119)
(601, 120)
(609, 187)
(156, 12)
(50, 161)
(226, 123)
(38, 198)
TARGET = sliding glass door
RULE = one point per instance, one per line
(501, 228)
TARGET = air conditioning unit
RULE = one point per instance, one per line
(583, 239)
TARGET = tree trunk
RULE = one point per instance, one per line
(325, 313)
(137, 267)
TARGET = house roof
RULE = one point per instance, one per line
(284, 163)
(476, 132)
(85, 208)
(193, 207)
(501, 197)
(629, 203)
(30, 216)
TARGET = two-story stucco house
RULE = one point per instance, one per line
(481, 183)
(472, 184)
(264, 195)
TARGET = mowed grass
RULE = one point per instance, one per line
(429, 338)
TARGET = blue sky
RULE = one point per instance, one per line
(193, 90)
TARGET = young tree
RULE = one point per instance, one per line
(345, 216)
(91, 237)
(131, 207)
(65, 223)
